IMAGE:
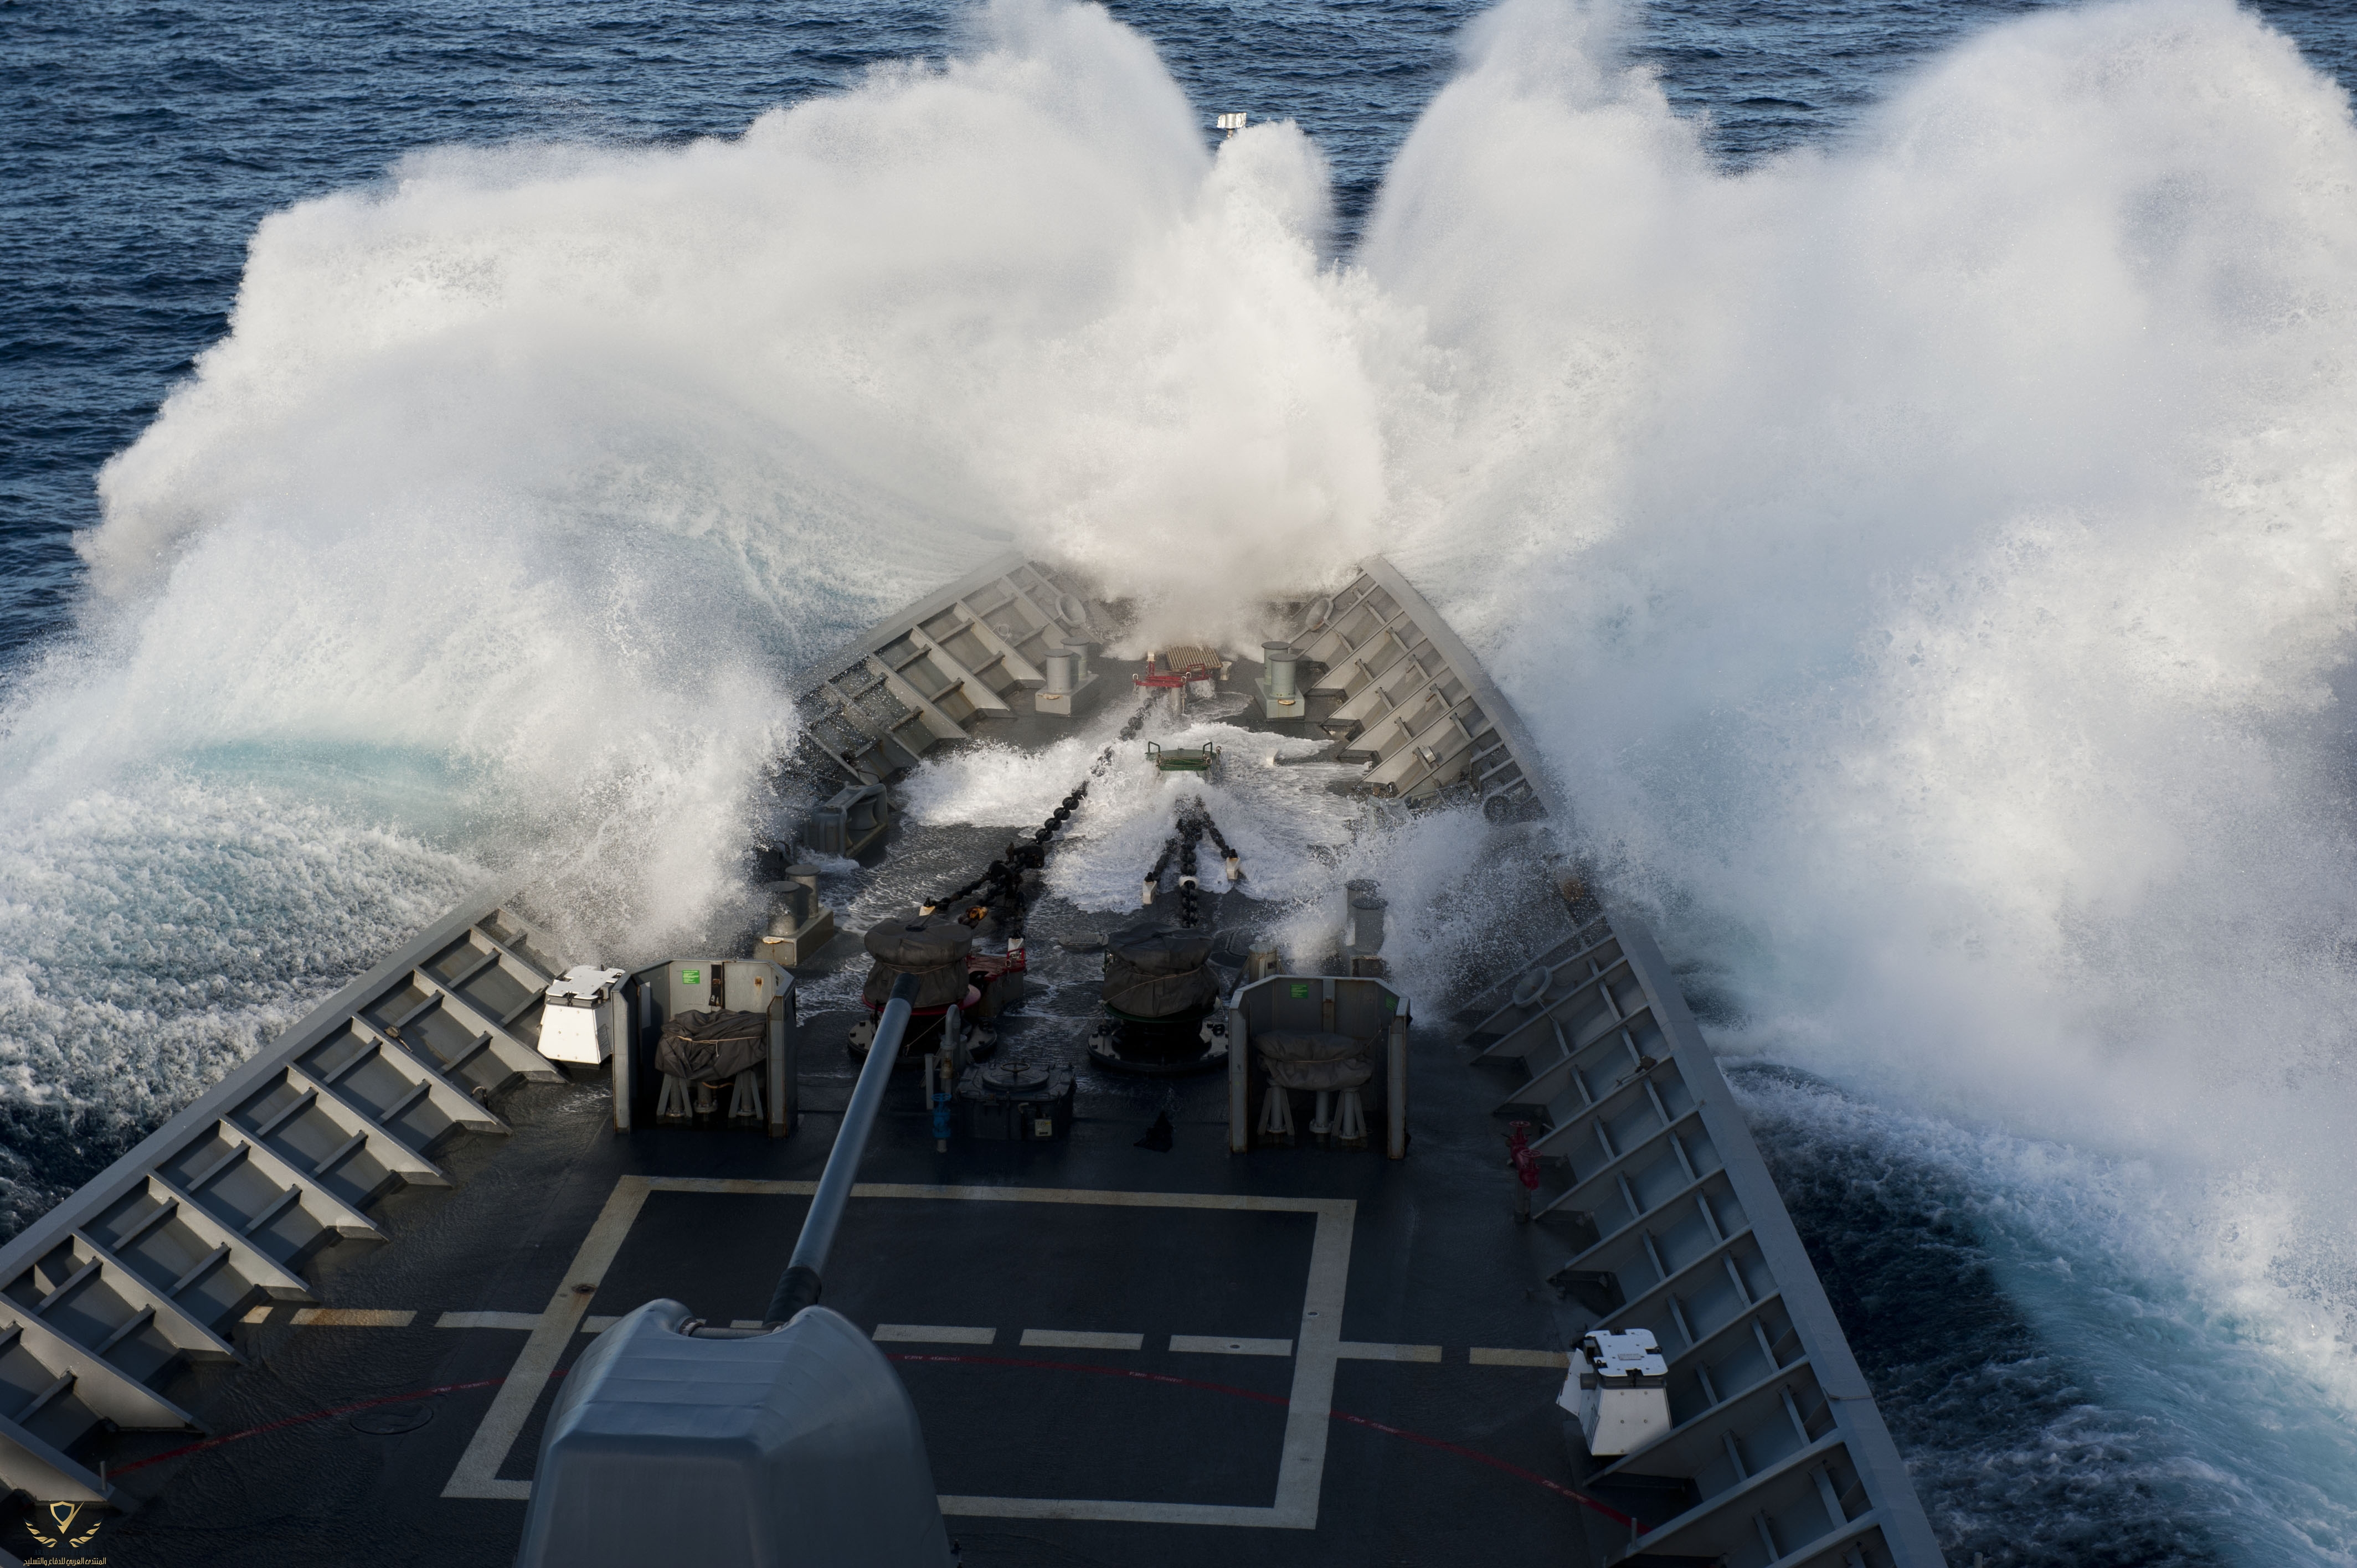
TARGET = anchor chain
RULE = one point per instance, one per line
(1001, 882)
(1183, 845)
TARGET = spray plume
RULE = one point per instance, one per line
(1927, 559)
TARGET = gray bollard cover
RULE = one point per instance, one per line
(797, 1449)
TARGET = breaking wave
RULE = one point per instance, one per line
(1928, 562)
(1927, 558)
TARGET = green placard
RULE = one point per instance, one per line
(690, 977)
(1301, 990)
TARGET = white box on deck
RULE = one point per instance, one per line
(582, 1015)
(1619, 1389)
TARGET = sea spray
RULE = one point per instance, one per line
(530, 475)
(1925, 558)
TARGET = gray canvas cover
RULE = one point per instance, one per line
(712, 1046)
(1152, 951)
(933, 948)
(797, 1447)
(1312, 1059)
(1298, 1046)
(917, 942)
(1150, 972)
(1351, 1074)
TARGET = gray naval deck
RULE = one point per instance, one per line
(320, 1316)
(1119, 1355)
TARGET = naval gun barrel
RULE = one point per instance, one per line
(798, 1286)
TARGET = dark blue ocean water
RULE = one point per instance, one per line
(140, 145)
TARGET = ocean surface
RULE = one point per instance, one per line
(1895, 455)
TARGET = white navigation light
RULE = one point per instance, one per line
(1231, 124)
(1619, 1389)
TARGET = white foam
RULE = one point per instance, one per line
(1925, 558)
(150, 937)
(2187, 1387)
(523, 479)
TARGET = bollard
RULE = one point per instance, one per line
(1280, 695)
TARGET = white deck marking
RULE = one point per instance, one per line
(1080, 1340)
(1124, 1512)
(478, 1474)
(524, 1320)
(1223, 1344)
(933, 1334)
(1481, 1357)
(938, 1333)
(1306, 1418)
(1309, 1417)
(338, 1317)
(1366, 1350)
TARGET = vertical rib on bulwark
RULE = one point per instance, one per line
(1676, 1228)
(103, 1298)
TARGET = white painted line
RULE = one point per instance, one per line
(1366, 1350)
(599, 1324)
(1080, 1340)
(478, 1471)
(1481, 1357)
(526, 1321)
(1243, 1202)
(933, 1334)
(1132, 1513)
(1310, 1408)
(350, 1317)
(1223, 1344)
(1313, 1376)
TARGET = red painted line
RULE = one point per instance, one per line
(1134, 1374)
(1129, 1373)
(1582, 1498)
(1607, 1510)
(299, 1421)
